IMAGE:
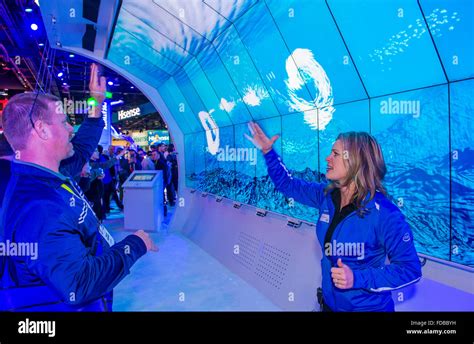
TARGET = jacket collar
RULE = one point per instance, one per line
(371, 204)
(34, 170)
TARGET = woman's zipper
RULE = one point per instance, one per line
(338, 229)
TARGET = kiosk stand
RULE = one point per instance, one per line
(143, 201)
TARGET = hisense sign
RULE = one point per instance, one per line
(124, 114)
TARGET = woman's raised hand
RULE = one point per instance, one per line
(259, 139)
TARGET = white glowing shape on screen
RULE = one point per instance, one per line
(226, 105)
(400, 41)
(302, 67)
(253, 95)
(212, 131)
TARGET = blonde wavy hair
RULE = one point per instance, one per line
(365, 165)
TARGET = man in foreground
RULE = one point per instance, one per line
(68, 260)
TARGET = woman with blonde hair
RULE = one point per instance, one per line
(358, 227)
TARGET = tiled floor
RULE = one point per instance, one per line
(181, 277)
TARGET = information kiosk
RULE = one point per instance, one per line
(143, 200)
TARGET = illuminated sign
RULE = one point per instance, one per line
(105, 138)
(105, 115)
(124, 114)
(143, 177)
(140, 138)
(157, 136)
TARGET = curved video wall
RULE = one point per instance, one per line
(309, 69)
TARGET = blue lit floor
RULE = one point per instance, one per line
(181, 277)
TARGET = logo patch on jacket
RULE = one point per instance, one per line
(324, 218)
(406, 237)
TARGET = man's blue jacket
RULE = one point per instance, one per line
(383, 232)
(76, 264)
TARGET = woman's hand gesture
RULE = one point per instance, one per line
(259, 139)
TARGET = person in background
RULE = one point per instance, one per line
(162, 164)
(159, 162)
(133, 163)
(111, 188)
(173, 161)
(86, 177)
(100, 166)
(123, 171)
(355, 215)
(140, 154)
(95, 193)
(111, 151)
(155, 156)
(146, 162)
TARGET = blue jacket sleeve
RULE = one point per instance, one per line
(85, 142)
(311, 194)
(404, 268)
(66, 264)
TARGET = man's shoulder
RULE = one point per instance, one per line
(36, 191)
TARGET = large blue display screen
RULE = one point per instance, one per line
(308, 70)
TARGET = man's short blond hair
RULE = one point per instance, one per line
(16, 116)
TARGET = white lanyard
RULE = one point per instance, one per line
(102, 230)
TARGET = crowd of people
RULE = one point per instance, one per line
(103, 176)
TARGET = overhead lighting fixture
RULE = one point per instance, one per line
(41, 44)
(34, 27)
(71, 55)
(132, 87)
(110, 83)
(28, 10)
(64, 83)
(60, 74)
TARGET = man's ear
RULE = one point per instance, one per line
(42, 130)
